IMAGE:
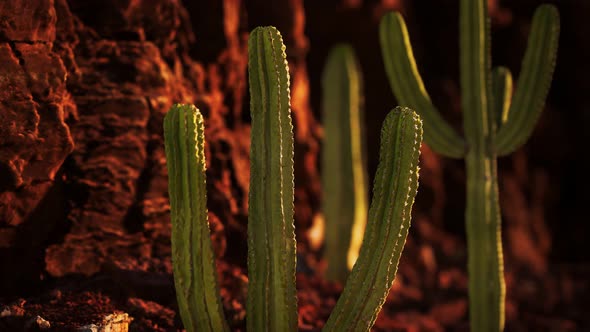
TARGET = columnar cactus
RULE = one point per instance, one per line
(492, 125)
(395, 186)
(192, 254)
(345, 187)
(272, 302)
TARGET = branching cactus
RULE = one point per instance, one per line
(394, 189)
(345, 187)
(192, 254)
(272, 302)
(495, 124)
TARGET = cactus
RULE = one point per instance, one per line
(272, 302)
(492, 125)
(345, 186)
(396, 182)
(192, 254)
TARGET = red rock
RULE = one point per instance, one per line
(28, 21)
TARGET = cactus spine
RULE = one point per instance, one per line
(491, 129)
(345, 186)
(396, 183)
(192, 254)
(272, 302)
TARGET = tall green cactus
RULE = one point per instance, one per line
(345, 187)
(192, 254)
(272, 302)
(395, 186)
(492, 126)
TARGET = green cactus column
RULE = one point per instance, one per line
(272, 302)
(484, 244)
(394, 189)
(345, 198)
(193, 260)
(482, 213)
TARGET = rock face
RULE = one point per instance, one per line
(35, 139)
(84, 87)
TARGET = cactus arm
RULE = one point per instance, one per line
(408, 88)
(533, 82)
(345, 186)
(501, 93)
(395, 187)
(193, 261)
(272, 302)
